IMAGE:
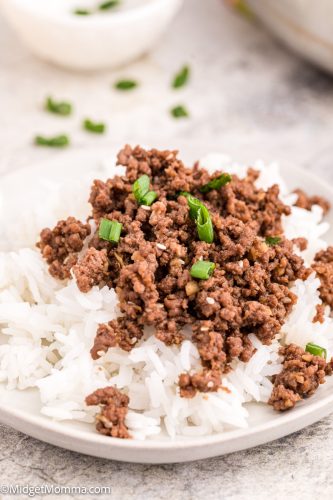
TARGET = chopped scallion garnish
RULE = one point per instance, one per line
(181, 77)
(126, 84)
(193, 203)
(104, 229)
(115, 231)
(82, 12)
(148, 198)
(179, 112)
(273, 240)
(216, 183)
(202, 269)
(200, 214)
(316, 350)
(59, 141)
(109, 4)
(141, 191)
(96, 128)
(110, 230)
(58, 107)
(141, 186)
(205, 225)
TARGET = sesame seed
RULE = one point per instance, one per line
(161, 246)
(210, 300)
(145, 207)
(241, 264)
(181, 261)
(133, 340)
(204, 328)
(210, 384)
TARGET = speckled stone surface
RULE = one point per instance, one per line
(247, 97)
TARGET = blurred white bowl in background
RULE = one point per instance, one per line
(109, 39)
(306, 26)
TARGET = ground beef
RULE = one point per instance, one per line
(92, 269)
(301, 243)
(150, 265)
(301, 375)
(320, 314)
(61, 245)
(120, 332)
(323, 265)
(206, 381)
(307, 202)
(114, 407)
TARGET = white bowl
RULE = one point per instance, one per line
(306, 26)
(51, 30)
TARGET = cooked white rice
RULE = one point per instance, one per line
(47, 329)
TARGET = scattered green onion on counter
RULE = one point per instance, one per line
(181, 78)
(126, 84)
(273, 240)
(62, 108)
(109, 230)
(179, 112)
(96, 128)
(217, 183)
(81, 12)
(58, 141)
(316, 350)
(109, 5)
(202, 269)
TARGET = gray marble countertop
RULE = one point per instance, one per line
(249, 98)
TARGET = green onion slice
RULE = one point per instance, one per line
(273, 240)
(109, 230)
(141, 187)
(126, 84)
(58, 107)
(148, 198)
(59, 141)
(109, 4)
(316, 350)
(181, 77)
(96, 128)
(217, 183)
(200, 214)
(141, 191)
(205, 225)
(193, 203)
(179, 112)
(202, 269)
(82, 12)
(115, 231)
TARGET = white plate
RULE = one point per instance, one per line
(21, 409)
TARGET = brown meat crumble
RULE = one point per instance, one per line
(301, 375)
(150, 270)
(323, 265)
(114, 408)
(307, 202)
(61, 246)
